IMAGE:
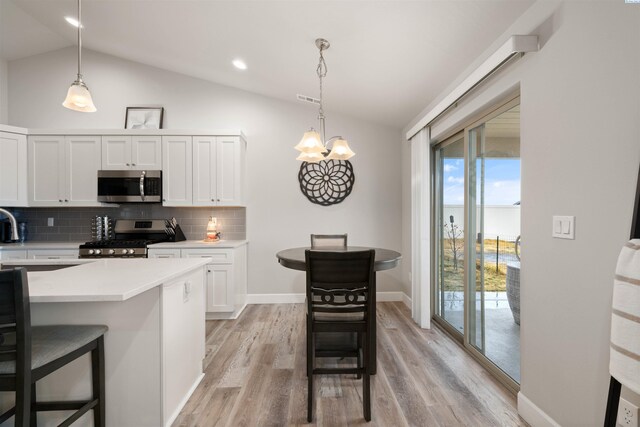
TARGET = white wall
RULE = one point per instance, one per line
(278, 215)
(580, 156)
(4, 95)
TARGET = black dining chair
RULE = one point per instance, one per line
(324, 240)
(340, 286)
(30, 353)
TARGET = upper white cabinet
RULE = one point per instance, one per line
(176, 171)
(140, 152)
(13, 169)
(63, 170)
(218, 164)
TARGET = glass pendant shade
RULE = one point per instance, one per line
(79, 98)
(310, 157)
(340, 151)
(311, 143)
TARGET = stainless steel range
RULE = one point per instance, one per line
(132, 238)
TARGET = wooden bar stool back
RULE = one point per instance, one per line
(28, 354)
(326, 240)
(340, 286)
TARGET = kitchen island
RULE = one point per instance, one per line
(155, 345)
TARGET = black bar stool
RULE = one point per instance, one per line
(340, 289)
(28, 354)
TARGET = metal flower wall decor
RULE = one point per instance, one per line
(326, 183)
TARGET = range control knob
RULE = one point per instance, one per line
(112, 251)
(98, 252)
(91, 251)
(124, 251)
(131, 251)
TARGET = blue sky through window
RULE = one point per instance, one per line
(502, 181)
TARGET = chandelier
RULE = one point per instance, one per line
(313, 146)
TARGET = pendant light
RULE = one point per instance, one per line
(313, 145)
(78, 96)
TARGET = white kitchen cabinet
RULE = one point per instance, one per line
(7, 254)
(226, 278)
(13, 169)
(82, 156)
(218, 164)
(53, 253)
(177, 171)
(122, 152)
(183, 319)
(63, 171)
(220, 288)
(164, 253)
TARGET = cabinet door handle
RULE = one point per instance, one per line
(66, 200)
(128, 164)
(218, 200)
(133, 164)
(60, 200)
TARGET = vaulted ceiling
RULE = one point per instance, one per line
(387, 61)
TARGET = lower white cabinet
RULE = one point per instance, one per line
(10, 253)
(226, 277)
(7, 254)
(53, 254)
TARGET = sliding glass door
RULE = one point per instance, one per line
(449, 158)
(477, 229)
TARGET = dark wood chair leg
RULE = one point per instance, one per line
(34, 413)
(23, 401)
(97, 379)
(366, 381)
(310, 364)
(612, 402)
(360, 351)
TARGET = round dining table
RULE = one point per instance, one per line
(386, 259)
(293, 258)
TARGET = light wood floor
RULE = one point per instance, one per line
(255, 376)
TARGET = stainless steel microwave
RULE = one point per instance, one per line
(130, 186)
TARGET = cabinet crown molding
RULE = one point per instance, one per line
(100, 132)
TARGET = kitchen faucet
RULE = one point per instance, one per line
(14, 223)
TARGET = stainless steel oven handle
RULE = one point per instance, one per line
(142, 184)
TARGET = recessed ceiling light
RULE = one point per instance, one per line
(239, 64)
(72, 21)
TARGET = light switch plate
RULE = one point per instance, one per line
(563, 227)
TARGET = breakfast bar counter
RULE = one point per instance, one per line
(155, 345)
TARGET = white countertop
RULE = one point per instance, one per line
(39, 245)
(199, 244)
(59, 261)
(107, 279)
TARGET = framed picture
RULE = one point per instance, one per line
(144, 118)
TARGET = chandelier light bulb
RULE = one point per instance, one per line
(340, 150)
(311, 143)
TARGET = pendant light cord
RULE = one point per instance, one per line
(322, 72)
(79, 41)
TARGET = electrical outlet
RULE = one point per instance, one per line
(49, 222)
(627, 414)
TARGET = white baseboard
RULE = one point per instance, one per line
(406, 299)
(299, 298)
(535, 416)
(227, 316)
(275, 298)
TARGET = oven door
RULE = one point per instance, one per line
(130, 186)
